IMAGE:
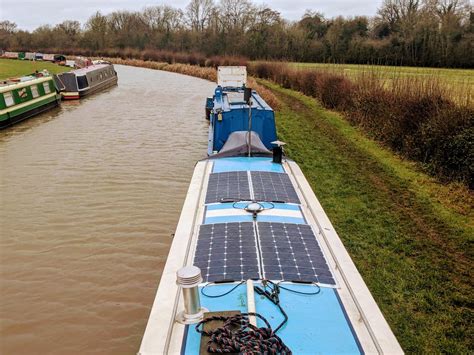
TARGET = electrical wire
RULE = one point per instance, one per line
(217, 283)
(318, 289)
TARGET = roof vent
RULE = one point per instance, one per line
(189, 278)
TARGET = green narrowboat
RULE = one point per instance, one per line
(26, 98)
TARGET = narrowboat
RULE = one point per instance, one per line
(10, 55)
(81, 82)
(59, 59)
(26, 97)
(30, 56)
(256, 265)
(55, 58)
(48, 57)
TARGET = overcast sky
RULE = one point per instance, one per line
(29, 14)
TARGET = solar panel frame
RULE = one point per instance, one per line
(271, 186)
(230, 185)
(227, 251)
(264, 250)
(291, 252)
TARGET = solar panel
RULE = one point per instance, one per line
(285, 251)
(227, 251)
(291, 252)
(228, 185)
(269, 186)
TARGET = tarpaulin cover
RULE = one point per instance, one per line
(237, 144)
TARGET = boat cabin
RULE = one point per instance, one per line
(25, 97)
(231, 111)
(81, 82)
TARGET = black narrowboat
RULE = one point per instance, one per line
(81, 82)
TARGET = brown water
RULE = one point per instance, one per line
(90, 195)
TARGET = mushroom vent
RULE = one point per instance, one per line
(189, 276)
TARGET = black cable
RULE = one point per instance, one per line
(274, 298)
(230, 199)
(318, 289)
(271, 203)
(220, 295)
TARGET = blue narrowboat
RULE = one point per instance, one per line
(256, 265)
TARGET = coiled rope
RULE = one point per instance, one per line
(237, 335)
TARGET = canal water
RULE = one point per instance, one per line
(90, 196)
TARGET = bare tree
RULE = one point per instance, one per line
(163, 18)
(7, 26)
(198, 14)
(236, 15)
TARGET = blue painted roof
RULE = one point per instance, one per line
(317, 324)
(235, 212)
(246, 163)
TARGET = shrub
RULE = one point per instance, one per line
(417, 118)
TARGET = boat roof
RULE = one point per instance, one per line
(233, 99)
(290, 242)
(89, 69)
(28, 81)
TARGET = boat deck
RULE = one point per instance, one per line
(291, 242)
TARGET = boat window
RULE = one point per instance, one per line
(82, 82)
(46, 87)
(100, 76)
(34, 91)
(8, 98)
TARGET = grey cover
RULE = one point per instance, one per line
(237, 142)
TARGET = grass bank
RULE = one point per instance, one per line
(410, 237)
(13, 68)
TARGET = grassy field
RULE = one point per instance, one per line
(454, 76)
(14, 68)
(410, 237)
(457, 83)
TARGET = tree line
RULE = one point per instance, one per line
(404, 32)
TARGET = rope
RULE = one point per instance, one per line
(237, 335)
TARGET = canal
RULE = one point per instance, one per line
(90, 196)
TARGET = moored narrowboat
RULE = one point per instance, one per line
(85, 81)
(30, 56)
(256, 267)
(10, 55)
(25, 98)
(48, 57)
(55, 58)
